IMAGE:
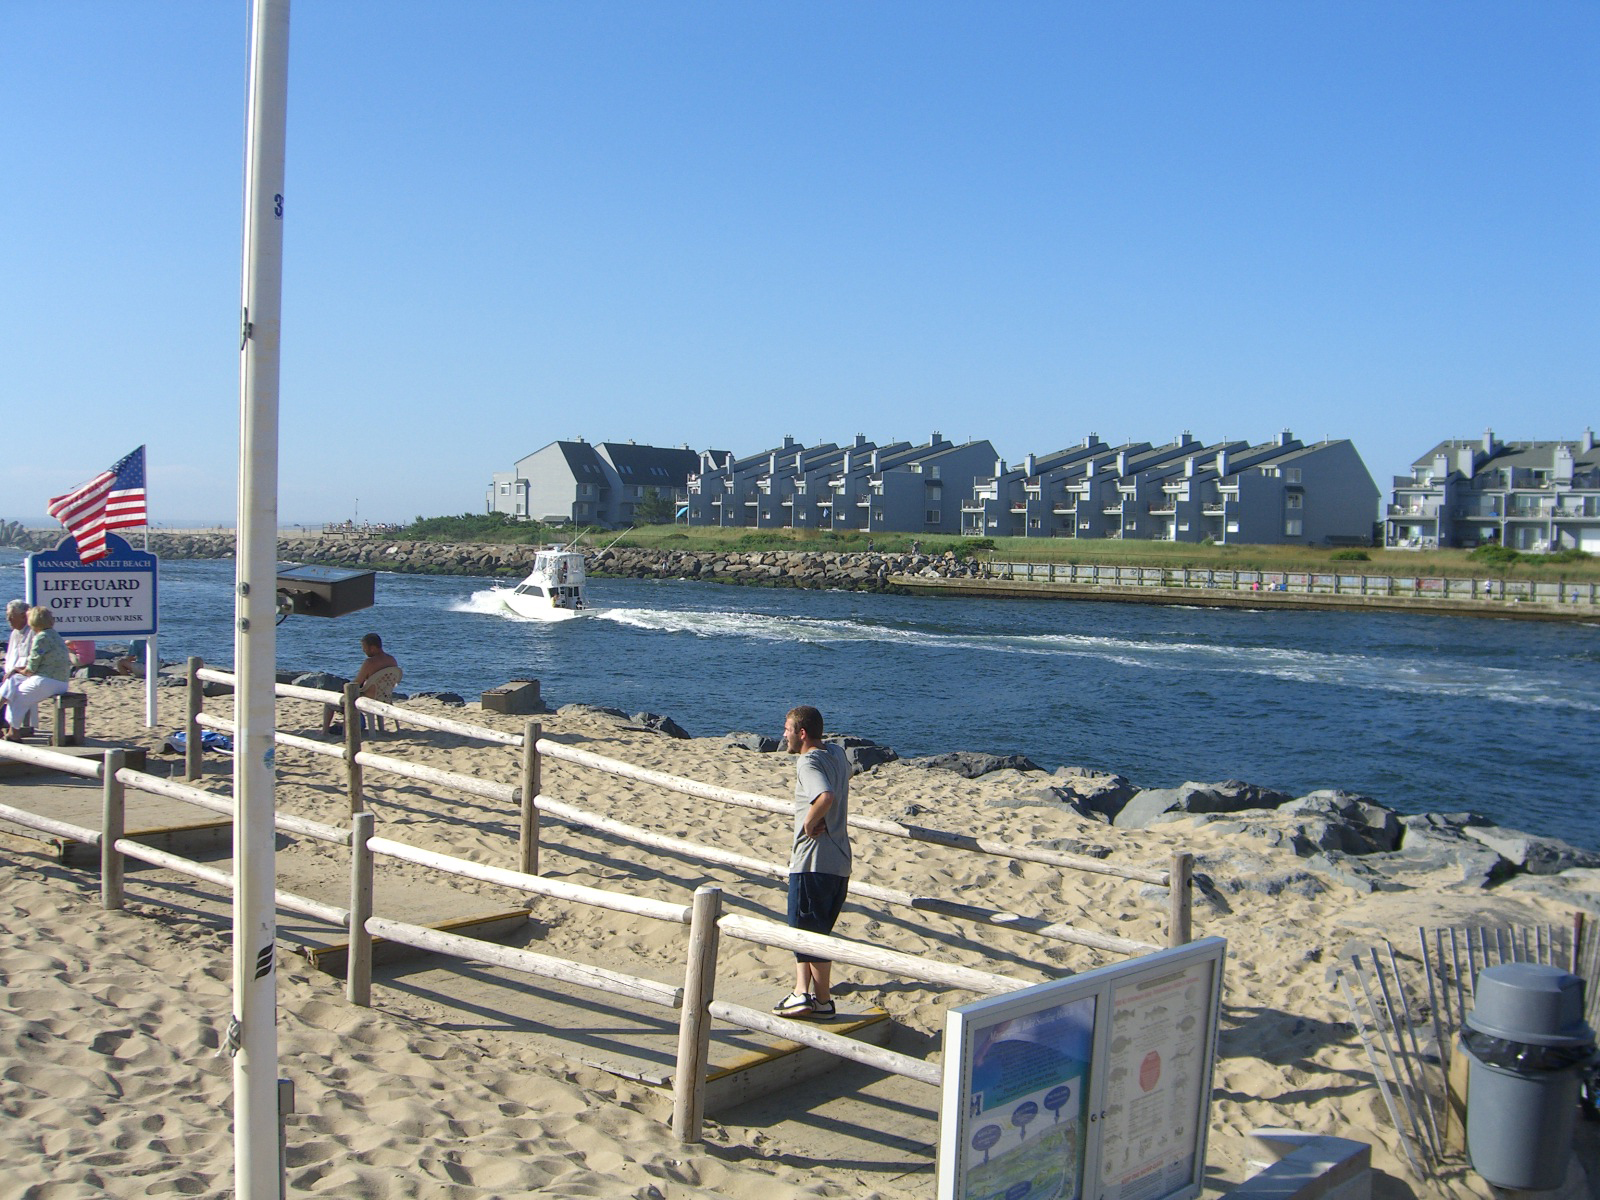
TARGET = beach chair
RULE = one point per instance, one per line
(381, 688)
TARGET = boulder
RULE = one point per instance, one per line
(970, 764)
(449, 698)
(1434, 842)
(758, 742)
(862, 753)
(656, 723)
(1345, 822)
(591, 710)
(1231, 795)
(321, 681)
(1529, 852)
(1097, 791)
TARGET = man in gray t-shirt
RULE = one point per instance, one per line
(819, 864)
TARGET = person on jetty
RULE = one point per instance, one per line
(819, 865)
(44, 673)
(377, 660)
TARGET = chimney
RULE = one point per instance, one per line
(937, 439)
(1028, 468)
(861, 440)
(1285, 438)
(845, 467)
(788, 441)
(1588, 440)
(772, 462)
(1222, 464)
(1188, 466)
(1562, 464)
(1488, 443)
(1091, 441)
(999, 467)
(1122, 463)
(874, 462)
(1185, 438)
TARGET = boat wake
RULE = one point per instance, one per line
(1410, 675)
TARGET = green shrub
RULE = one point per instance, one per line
(1495, 556)
(1569, 555)
(1350, 556)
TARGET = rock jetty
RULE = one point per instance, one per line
(860, 571)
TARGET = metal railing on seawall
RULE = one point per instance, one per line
(1551, 597)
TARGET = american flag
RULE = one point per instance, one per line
(113, 499)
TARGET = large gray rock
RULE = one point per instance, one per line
(759, 742)
(656, 723)
(1345, 822)
(1096, 791)
(1437, 842)
(970, 764)
(1231, 795)
(863, 753)
(322, 681)
(590, 710)
(1531, 853)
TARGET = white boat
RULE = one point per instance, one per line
(553, 590)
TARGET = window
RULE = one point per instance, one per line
(877, 514)
(933, 472)
(1033, 523)
(1291, 528)
(1293, 499)
(1291, 474)
(580, 510)
(932, 516)
(505, 489)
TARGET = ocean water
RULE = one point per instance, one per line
(1422, 713)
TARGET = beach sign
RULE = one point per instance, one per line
(113, 596)
(1094, 1087)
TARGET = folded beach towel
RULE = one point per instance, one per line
(210, 739)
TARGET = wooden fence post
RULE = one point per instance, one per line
(352, 746)
(113, 797)
(694, 1021)
(358, 957)
(192, 745)
(1180, 877)
(531, 782)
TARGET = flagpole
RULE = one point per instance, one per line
(253, 1034)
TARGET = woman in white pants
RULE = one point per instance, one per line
(44, 674)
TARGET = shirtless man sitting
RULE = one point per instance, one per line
(377, 660)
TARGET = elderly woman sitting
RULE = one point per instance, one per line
(44, 674)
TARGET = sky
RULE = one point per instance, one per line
(718, 223)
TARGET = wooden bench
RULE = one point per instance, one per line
(78, 705)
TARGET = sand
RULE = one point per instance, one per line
(111, 1082)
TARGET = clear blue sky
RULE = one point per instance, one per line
(719, 223)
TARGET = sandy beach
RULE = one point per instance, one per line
(111, 1080)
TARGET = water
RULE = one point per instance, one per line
(1423, 713)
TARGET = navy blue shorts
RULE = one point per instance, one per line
(815, 901)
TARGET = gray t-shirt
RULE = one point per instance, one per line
(824, 769)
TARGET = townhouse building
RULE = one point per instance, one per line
(574, 482)
(1277, 491)
(1534, 496)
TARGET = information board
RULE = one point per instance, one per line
(114, 596)
(1095, 1087)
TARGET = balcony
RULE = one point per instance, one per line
(1417, 510)
(1168, 506)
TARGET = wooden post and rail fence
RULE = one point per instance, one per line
(706, 924)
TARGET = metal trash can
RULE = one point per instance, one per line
(1528, 1044)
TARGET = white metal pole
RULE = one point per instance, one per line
(152, 666)
(253, 1036)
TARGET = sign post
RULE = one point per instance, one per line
(114, 596)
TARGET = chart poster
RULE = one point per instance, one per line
(1024, 1097)
(114, 596)
(1158, 1082)
(1094, 1087)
